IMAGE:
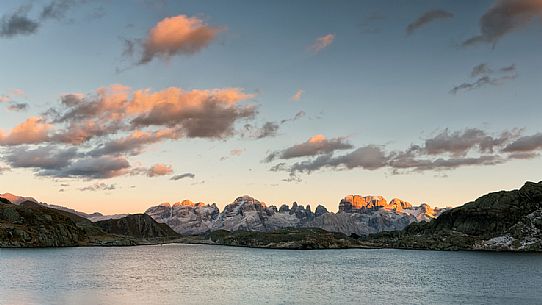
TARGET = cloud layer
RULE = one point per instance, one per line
(445, 151)
(91, 136)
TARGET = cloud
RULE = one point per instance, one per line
(296, 117)
(4, 169)
(426, 18)
(480, 70)
(18, 23)
(90, 136)
(369, 157)
(297, 96)
(487, 76)
(525, 144)
(134, 143)
(198, 113)
(32, 131)
(99, 187)
(91, 168)
(183, 176)
(315, 145)
(233, 153)
(159, 170)
(503, 17)
(445, 151)
(322, 43)
(269, 129)
(42, 158)
(18, 107)
(57, 9)
(179, 35)
(459, 143)
(193, 114)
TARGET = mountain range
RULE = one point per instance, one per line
(360, 215)
(499, 221)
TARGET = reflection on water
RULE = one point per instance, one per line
(200, 274)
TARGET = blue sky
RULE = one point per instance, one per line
(372, 85)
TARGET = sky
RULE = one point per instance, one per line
(116, 106)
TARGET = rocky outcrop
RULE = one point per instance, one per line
(505, 220)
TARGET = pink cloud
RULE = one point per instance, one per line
(177, 35)
(322, 43)
(297, 96)
(33, 130)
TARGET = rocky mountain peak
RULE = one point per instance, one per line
(187, 203)
(17, 199)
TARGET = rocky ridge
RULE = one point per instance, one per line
(29, 224)
(357, 215)
(502, 221)
(96, 216)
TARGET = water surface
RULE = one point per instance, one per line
(202, 274)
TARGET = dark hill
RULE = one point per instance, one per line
(505, 220)
(33, 225)
(137, 225)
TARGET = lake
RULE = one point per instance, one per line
(203, 274)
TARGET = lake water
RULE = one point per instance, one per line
(202, 274)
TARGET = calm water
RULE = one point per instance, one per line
(200, 274)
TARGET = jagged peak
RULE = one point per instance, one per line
(247, 199)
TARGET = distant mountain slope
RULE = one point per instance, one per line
(505, 220)
(15, 199)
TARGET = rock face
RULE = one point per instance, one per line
(185, 217)
(505, 220)
(357, 215)
(245, 214)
